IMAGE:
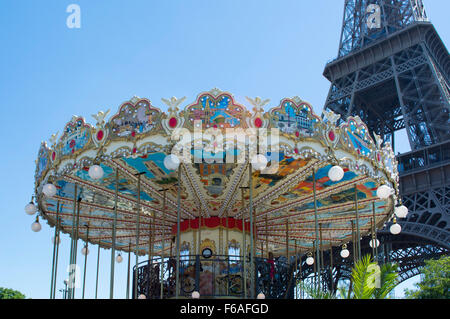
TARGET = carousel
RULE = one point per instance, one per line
(224, 202)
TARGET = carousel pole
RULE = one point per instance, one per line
(98, 267)
(72, 239)
(244, 240)
(353, 242)
(177, 278)
(316, 224)
(375, 231)
(77, 225)
(287, 239)
(162, 242)
(358, 236)
(54, 251)
(128, 271)
(250, 212)
(85, 261)
(331, 267)
(296, 269)
(113, 243)
(315, 265)
(199, 230)
(267, 238)
(58, 223)
(321, 265)
(138, 229)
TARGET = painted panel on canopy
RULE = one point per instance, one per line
(77, 135)
(294, 118)
(126, 186)
(42, 161)
(216, 112)
(134, 119)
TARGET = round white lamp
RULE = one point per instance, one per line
(95, 172)
(374, 242)
(49, 190)
(336, 173)
(401, 211)
(310, 260)
(142, 296)
(30, 208)
(259, 162)
(395, 228)
(384, 191)
(171, 162)
(195, 295)
(119, 258)
(36, 226)
(344, 252)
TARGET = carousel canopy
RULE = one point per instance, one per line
(135, 141)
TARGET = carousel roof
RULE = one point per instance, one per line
(137, 138)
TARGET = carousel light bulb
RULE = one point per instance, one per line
(30, 208)
(309, 260)
(401, 211)
(345, 253)
(384, 191)
(142, 296)
(36, 226)
(85, 251)
(259, 162)
(374, 241)
(261, 296)
(49, 190)
(171, 162)
(195, 295)
(336, 173)
(58, 240)
(395, 229)
(96, 172)
(119, 258)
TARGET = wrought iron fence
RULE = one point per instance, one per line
(216, 276)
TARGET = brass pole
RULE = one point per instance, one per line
(163, 218)
(331, 267)
(77, 224)
(58, 224)
(138, 230)
(321, 265)
(72, 241)
(85, 260)
(267, 238)
(177, 279)
(358, 242)
(54, 251)
(287, 240)
(244, 277)
(250, 213)
(128, 271)
(98, 267)
(375, 231)
(353, 243)
(316, 224)
(113, 243)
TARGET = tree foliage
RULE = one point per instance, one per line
(6, 293)
(435, 282)
(368, 281)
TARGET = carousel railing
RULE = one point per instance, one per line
(214, 277)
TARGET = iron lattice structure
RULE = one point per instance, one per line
(395, 76)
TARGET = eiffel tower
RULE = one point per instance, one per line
(392, 70)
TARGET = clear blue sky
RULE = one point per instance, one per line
(154, 49)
